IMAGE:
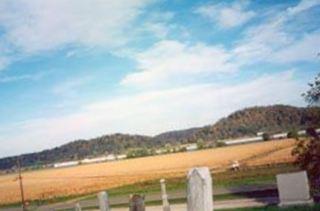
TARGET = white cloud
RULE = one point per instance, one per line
(169, 61)
(261, 41)
(271, 41)
(305, 49)
(151, 112)
(227, 16)
(25, 77)
(4, 62)
(158, 29)
(36, 25)
(303, 6)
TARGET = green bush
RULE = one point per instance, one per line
(266, 136)
(293, 134)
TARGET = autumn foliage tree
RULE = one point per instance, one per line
(308, 152)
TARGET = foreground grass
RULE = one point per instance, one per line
(250, 176)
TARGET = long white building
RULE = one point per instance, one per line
(242, 140)
(94, 160)
(66, 164)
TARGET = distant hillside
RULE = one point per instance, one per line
(270, 119)
(246, 122)
(116, 143)
(175, 136)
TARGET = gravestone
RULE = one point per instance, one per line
(294, 189)
(165, 202)
(199, 191)
(77, 207)
(103, 201)
(136, 203)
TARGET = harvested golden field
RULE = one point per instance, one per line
(45, 184)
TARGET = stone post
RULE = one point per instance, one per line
(136, 203)
(77, 207)
(165, 202)
(103, 201)
(199, 191)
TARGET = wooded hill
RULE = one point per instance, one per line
(246, 122)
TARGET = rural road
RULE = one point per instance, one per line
(250, 196)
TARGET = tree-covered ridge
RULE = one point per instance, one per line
(246, 122)
(269, 119)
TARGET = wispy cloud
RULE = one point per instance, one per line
(271, 41)
(168, 61)
(33, 25)
(303, 5)
(4, 62)
(225, 15)
(25, 77)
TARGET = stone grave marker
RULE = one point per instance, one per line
(199, 191)
(136, 203)
(294, 189)
(77, 207)
(165, 202)
(103, 201)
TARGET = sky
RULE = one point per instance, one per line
(72, 69)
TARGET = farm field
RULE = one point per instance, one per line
(50, 183)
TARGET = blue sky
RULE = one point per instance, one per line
(74, 69)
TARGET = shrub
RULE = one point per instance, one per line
(266, 136)
(293, 134)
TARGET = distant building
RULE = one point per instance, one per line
(111, 157)
(260, 133)
(66, 164)
(191, 147)
(161, 151)
(121, 157)
(302, 132)
(279, 135)
(94, 160)
(243, 140)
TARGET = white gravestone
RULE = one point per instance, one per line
(294, 189)
(103, 201)
(199, 192)
(165, 202)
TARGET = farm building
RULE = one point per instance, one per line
(192, 147)
(66, 164)
(242, 140)
(94, 160)
(279, 135)
(121, 157)
(111, 157)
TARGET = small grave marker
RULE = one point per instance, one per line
(77, 207)
(165, 202)
(136, 203)
(294, 189)
(103, 201)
